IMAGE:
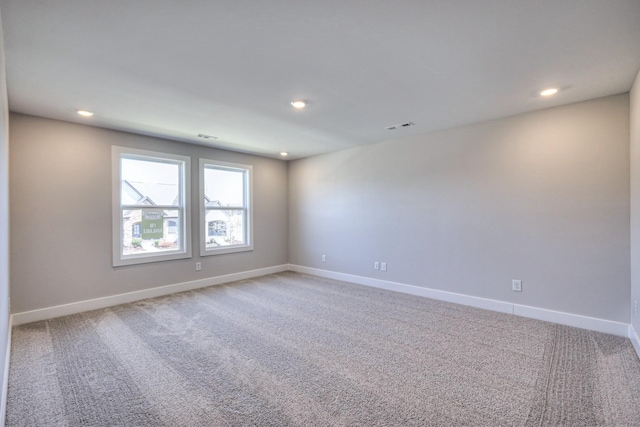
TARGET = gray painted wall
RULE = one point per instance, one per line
(635, 200)
(61, 215)
(4, 216)
(542, 197)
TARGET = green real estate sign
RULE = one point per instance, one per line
(152, 225)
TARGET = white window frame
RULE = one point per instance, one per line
(248, 208)
(184, 251)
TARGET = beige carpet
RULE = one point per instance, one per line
(290, 349)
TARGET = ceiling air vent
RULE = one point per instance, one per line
(202, 135)
(398, 126)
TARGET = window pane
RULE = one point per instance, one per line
(225, 227)
(147, 182)
(223, 187)
(150, 231)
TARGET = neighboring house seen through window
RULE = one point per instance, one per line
(150, 207)
(225, 207)
(217, 228)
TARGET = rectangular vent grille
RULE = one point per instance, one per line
(399, 126)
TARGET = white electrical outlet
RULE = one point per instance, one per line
(324, 258)
(198, 266)
(383, 266)
(516, 285)
(376, 265)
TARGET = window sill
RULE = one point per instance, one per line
(226, 250)
(143, 259)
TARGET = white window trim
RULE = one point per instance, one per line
(248, 203)
(117, 232)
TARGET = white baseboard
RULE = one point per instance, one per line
(488, 304)
(600, 325)
(5, 382)
(635, 340)
(576, 320)
(93, 304)
(570, 319)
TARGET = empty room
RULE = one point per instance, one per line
(320, 213)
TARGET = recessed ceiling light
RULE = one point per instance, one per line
(549, 92)
(84, 113)
(284, 154)
(298, 104)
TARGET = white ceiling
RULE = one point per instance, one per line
(175, 69)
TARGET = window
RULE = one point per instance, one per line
(172, 227)
(151, 219)
(135, 230)
(225, 207)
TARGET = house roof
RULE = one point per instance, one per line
(145, 193)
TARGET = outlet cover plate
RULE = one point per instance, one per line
(516, 285)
